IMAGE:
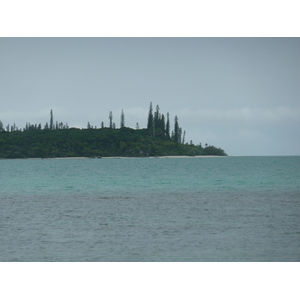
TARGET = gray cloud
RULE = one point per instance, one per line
(246, 115)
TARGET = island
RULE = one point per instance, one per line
(57, 140)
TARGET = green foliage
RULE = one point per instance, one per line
(94, 143)
(57, 140)
(211, 150)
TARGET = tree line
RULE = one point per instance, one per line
(48, 126)
(157, 125)
(56, 139)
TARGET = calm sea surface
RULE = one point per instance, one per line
(152, 209)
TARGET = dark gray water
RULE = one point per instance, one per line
(185, 209)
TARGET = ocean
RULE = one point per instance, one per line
(198, 209)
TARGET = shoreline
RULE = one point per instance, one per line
(120, 157)
(168, 156)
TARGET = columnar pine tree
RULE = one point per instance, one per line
(156, 121)
(176, 130)
(162, 125)
(110, 120)
(51, 120)
(122, 123)
(183, 137)
(150, 121)
(179, 135)
(168, 126)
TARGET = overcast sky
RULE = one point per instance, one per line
(240, 94)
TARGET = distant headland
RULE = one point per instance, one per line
(57, 140)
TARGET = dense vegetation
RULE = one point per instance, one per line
(58, 140)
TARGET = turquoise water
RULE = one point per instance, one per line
(154, 209)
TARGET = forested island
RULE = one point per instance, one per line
(56, 139)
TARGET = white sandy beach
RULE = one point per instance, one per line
(178, 156)
(121, 157)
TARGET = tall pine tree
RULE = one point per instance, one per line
(168, 126)
(110, 119)
(150, 121)
(51, 120)
(176, 130)
(122, 123)
(183, 139)
(156, 121)
(162, 125)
